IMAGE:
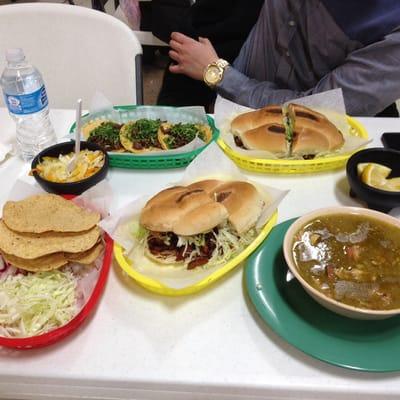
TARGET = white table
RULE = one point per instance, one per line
(211, 345)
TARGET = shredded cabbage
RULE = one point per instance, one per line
(228, 245)
(137, 230)
(35, 303)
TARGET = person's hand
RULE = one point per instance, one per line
(191, 56)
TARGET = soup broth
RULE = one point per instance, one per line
(352, 259)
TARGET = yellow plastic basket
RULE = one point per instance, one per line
(279, 166)
(159, 288)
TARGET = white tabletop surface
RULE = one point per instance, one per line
(211, 345)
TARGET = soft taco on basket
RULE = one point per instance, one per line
(172, 136)
(141, 135)
(293, 131)
(105, 133)
(203, 224)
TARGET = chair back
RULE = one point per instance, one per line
(78, 51)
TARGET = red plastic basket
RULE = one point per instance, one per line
(57, 334)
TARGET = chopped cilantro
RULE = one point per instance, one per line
(145, 131)
(181, 134)
(107, 133)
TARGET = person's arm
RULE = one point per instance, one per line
(369, 77)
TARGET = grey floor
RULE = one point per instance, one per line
(152, 76)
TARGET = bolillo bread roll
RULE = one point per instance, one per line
(269, 137)
(200, 224)
(253, 119)
(307, 123)
(298, 130)
(203, 205)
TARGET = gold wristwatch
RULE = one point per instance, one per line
(214, 72)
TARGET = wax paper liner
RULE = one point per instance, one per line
(98, 198)
(329, 103)
(211, 163)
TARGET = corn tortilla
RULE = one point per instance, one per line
(127, 143)
(91, 125)
(34, 245)
(86, 257)
(163, 137)
(55, 260)
(44, 263)
(47, 212)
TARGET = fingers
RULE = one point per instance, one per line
(204, 41)
(180, 37)
(175, 68)
(175, 45)
(174, 55)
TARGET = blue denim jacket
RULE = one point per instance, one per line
(302, 47)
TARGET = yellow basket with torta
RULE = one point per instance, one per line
(307, 134)
(213, 233)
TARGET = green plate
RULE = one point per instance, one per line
(284, 305)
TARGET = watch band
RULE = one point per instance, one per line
(222, 63)
(214, 72)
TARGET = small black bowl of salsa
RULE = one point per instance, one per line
(94, 172)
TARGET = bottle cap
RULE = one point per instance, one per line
(15, 55)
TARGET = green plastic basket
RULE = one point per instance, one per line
(127, 160)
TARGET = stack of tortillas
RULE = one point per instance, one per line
(45, 232)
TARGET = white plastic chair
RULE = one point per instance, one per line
(78, 51)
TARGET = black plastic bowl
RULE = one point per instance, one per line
(72, 187)
(376, 199)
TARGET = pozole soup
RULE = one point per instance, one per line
(352, 259)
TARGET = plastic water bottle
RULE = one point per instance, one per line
(26, 99)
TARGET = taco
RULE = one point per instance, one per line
(172, 136)
(141, 135)
(104, 133)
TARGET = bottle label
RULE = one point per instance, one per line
(27, 103)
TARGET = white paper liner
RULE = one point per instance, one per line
(102, 108)
(330, 103)
(211, 163)
(98, 198)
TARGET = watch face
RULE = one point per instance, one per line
(213, 74)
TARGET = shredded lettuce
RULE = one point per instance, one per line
(288, 122)
(137, 230)
(228, 245)
(35, 303)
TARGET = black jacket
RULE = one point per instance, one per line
(226, 23)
